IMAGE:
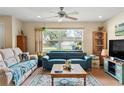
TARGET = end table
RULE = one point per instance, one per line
(39, 62)
(95, 62)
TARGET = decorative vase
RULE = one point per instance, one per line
(67, 65)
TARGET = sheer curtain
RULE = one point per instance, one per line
(38, 40)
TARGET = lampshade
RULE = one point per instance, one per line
(104, 52)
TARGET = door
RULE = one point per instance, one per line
(2, 37)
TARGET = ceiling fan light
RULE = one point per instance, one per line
(38, 16)
(60, 19)
(100, 17)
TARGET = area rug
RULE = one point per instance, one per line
(45, 80)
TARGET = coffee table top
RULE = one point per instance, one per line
(76, 70)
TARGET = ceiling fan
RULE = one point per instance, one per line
(62, 14)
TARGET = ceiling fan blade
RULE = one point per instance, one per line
(53, 12)
(71, 13)
(50, 17)
(69, 17)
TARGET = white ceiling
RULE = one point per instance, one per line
(84, 13)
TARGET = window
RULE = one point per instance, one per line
(62, 39)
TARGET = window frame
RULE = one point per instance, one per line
(60, 40)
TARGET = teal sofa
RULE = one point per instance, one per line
(59, 57)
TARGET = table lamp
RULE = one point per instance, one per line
(104, 53)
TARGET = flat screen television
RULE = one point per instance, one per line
(116, 48)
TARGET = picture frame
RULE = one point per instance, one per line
(119, 30)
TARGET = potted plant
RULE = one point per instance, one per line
(67, 65)
(40, 55)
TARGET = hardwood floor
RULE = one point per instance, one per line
(104, 78)
(98, 73)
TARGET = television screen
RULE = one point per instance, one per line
(116, 48)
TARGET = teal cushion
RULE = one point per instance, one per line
(77, 60)
(57, 60)
(75, 55)
(57, 55)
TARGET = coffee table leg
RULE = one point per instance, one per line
(84, 81)
(52, 81)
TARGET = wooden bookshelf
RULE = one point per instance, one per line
(99, 43)
(22, 42)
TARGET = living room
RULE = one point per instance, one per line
(37, 31)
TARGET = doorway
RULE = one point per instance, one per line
(2, 36)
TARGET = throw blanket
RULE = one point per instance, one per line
(17, 74)
(20, 69)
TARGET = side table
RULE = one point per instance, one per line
(96, 62)
(39, 62)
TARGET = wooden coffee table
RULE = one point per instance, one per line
(76, 72)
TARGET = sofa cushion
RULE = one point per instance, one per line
(2, 64)
(57, 60)
(8, 57)
(10, 62)
(17, 51)
(77, 60)
(6, 53)
(17, 73)
(18, 70)
(57, 55)
(74, 55)
(17, 54)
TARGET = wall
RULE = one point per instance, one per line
(7, 21)
(110, 26)
(88, 27)
(12, 26)
(16, 28)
